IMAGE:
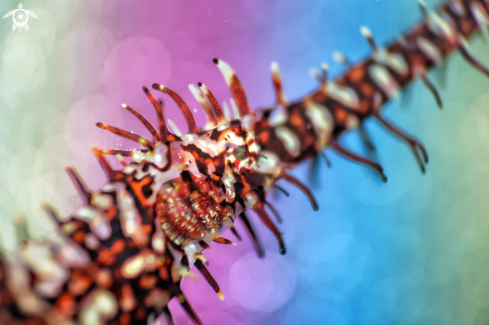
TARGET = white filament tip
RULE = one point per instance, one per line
(366, 32)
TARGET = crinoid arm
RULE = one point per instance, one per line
(414, 144)
(265, 218)
(433, 90)
(476, 64)
(336, 146)
(253, 234)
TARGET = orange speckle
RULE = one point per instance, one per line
(118, 246)
(356, 73)
(66, 304)
(79, 236)
(340, 115)
(366, 89)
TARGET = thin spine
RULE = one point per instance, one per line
(163, 132)
(235, 86)
(189, 117)
(221, 118)
(125, 134)
(211, 117)
(141, 118)
(79, 183)
(252, 233)
(294, 181)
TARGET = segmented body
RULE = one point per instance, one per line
(121, 256)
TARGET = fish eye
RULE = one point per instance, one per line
(241, 152)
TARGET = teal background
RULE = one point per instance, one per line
(411, 251)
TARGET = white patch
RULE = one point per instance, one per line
(250, 200)
(73, 256)
(99, 225)
(33, 253)
(189, 138)
(226, 111)
(384, 80)
(87, 213)
(128, 170)
(129, 215)
(339, 57)
(442, 26)
(271, 165)
(176, 268)
(19, 283)
(227, 71)
(430, 50)
(232, 138)
(253, 147)
(160, 159)
(366, 32)
(68, 227)
(235, 109)
(238, 209)
(91, 242)
(392, 60)
(109, 187)
(481, 18)
(223, 126)
(208, 145)
(98, 307)
(345, 95)
(202, 101)
(248, 121)
(322, 122)
(289, 139)
(145, 261)
(138, 156)
(140, 173)
(51, 275)
(157, 157)
(190, 250)
(174, 128)
(457, 7)
(133, 266)
(278, 116)
(102, 201)
(160, 178)
(228, 180)
(158, 242)
(48, 288)
(352, 122)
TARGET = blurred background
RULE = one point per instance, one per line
(411, 251)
